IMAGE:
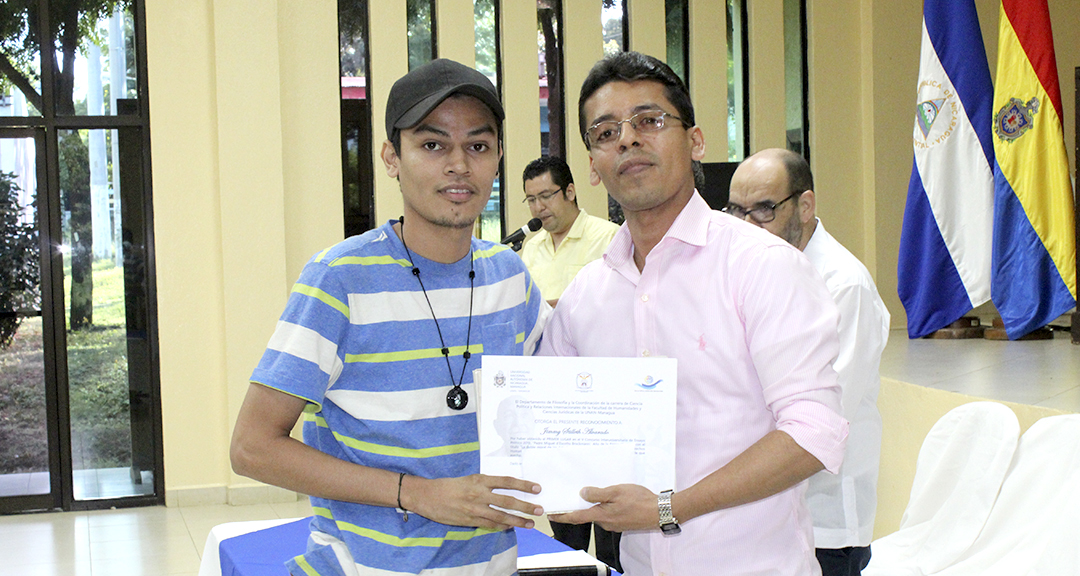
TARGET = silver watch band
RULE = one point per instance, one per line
(668, 523)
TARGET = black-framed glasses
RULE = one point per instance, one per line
(541, 197)
(607, 132)
(762, 212)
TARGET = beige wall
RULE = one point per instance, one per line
(247, 177)
(247, 185)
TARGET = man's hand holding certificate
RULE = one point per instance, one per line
(571, 422)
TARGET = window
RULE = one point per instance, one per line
(795, 77)
(423, 43)
(488, 60)
(737, 77)
(358, 179)
(74, 152)
(678, 37)
(614, 19)
(549, 47)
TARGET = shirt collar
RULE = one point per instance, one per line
(816, 238)
(578, 227)
(691, 226)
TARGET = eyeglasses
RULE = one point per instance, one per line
(761, 213)
(607, 132)
(541, 197)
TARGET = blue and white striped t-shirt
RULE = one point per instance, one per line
(357, 340)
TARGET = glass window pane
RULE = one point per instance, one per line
(613, 19)
(20, 78)
(549, 50)
(24, 442)
(421, 30)
(487, 62)
(105, 287)
(794, 75)
(736, 75)
(352, 35)
(96, 66)
(678, 46)
(356, 157)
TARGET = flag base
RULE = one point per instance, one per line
(966, 327)
(997, 332)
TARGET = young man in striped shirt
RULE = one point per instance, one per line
(375, 351)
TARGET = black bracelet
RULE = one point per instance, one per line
(400, 507)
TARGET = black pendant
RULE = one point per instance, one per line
(456, 398)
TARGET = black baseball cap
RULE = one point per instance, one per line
(420, 91)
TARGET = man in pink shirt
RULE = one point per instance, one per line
(749, 320)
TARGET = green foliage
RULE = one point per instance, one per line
(97, 376)
(352, 37)
(19, 271)
(484, 15)
(419, 31)
(98, 388)
(73, 24)
(23, 440)
(98, 392)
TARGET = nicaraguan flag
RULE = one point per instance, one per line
(944, 264)
(1034, 255)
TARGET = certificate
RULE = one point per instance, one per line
(570, 422)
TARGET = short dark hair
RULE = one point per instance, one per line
(557, 167)
(633, 67)
(800, 178)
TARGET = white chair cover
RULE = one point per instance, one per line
(960, 470)
(1034, 528)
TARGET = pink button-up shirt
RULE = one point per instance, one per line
(755, 333)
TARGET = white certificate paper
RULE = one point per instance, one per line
(570, 422)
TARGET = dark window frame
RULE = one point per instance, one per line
(47, 126)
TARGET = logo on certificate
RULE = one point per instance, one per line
(584, 381)
(500, 379)
(649, 383)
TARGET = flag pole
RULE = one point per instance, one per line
(1076, 212)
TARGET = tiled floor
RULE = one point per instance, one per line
(131, 542)
(87, 484)
(158, 541)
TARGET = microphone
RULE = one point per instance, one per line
(518, 235)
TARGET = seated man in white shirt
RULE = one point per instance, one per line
(570, 238)
(774, 189)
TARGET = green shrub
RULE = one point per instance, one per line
(19, 276)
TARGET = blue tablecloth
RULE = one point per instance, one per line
(263, 553)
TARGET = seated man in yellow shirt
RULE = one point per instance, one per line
(570, 238)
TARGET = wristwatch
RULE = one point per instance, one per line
(668, 524)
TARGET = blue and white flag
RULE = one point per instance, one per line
(945, 243)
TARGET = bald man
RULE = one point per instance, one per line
(774, 189)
